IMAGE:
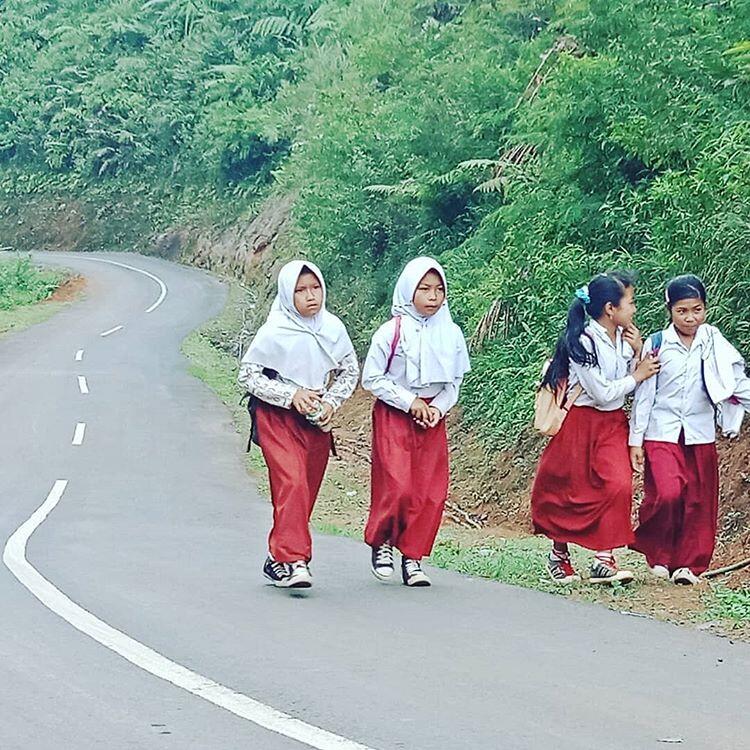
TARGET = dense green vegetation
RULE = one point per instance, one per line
(21, 283)
(526, 144)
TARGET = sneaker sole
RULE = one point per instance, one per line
(612, 579)
(418, 584)
(287, 584)
(382, 576)
(299, 585)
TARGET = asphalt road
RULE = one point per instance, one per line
(141, 619)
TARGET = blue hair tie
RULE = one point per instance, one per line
(583, 294)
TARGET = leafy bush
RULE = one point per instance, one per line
(528, 145)
(21, 283)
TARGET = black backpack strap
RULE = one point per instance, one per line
(334, 452)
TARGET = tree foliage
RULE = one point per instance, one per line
(527, 144)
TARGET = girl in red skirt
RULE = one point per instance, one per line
(672, 433)
(583, 488)
(300, 368)
(415, 367)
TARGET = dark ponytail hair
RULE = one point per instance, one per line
(682, 287)
(591, 300)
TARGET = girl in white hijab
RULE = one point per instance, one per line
(415, 366)
(299, 369)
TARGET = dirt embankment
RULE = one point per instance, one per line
(68, 290)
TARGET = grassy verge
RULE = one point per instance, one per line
(518, 561)
(23, 287)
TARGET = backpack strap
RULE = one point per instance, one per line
(656, 341)
(394, 342)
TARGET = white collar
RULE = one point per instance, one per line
(601, 332)
(701, 337)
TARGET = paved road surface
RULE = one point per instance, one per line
(155, 547)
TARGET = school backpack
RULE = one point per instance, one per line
(551, 406)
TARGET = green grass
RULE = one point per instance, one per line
(22, 287)
(19, 318)
(22, 283)
(729, 604)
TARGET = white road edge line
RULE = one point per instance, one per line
(14, 557)
(79, 355)
(161, 284)
(82, 384)
(80, 431)
(111, 331)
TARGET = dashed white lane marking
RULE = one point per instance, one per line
(111, 331)
(80, 431)
(79, 355)
(162, 285)
(14, 557)
(82, 384)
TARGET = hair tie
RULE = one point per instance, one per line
(583, 294)
(666, 295)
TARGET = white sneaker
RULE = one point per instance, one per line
(412, 573)
(685, 577)
(382, 561)
(660, 571)
(299, 576)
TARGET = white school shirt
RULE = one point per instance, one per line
(676, 400)
(606, 385)
(392, 386)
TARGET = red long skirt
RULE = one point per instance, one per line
(296, 454)
(678, 516)
(409, 482)
(583, 490)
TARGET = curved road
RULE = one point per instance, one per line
(153, 551)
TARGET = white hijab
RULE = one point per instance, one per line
(303, 350)
(434, 346)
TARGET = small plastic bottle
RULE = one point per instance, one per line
(314, 418)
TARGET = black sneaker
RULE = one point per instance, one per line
(608, 572)
(276, 572)
(561, 570)
(412, 573)
(382, 561)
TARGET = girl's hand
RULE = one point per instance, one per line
(646, 369)
(305, 402)
(633, 336)
(637, 459)
(327, 415)
(435, 416)
(420, 411)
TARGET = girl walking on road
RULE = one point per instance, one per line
(299, 368)
(672, 434)
(415, 367)
(582, 492)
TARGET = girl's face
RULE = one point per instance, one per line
(623, 314)
(688, 315)
(308, 295)
(429, 295)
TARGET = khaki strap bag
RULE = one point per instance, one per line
(552, 406)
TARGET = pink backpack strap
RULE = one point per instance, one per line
(394, 343)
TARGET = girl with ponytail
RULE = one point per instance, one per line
(583, 490)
